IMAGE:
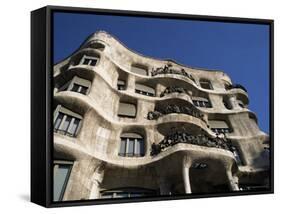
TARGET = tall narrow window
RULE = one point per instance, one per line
(89, 60)
(127, 110)
(66, 122)
(206, 84)
(132, 145)
(219, 126)
(62, 170)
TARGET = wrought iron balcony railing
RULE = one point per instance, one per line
(153, 115)
(183, 137)
(168, 70)
(173, 89)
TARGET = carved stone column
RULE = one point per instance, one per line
(232, 181)
(96, 181)
(131, 83)
(185, 172)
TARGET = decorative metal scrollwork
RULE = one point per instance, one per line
(168, 70)
(153, 115)
(173, 89)
(183, 137)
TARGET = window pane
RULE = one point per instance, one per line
(60, 180)
(83, 90)
(86, 61)
(93, 62)
(75, 87)
(137, 147)
(74, 126)
(122, 150)
(66, 123)
(141, 147)
(58, 121)
(130, 150)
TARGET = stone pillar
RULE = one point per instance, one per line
(165, 186)
(232, 181)
(185, 172)
(159, 89)
(131, 83)
(96, 181)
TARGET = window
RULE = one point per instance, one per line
(62, 170)
(139, 70)
(66, 122)
(201, 102)
(89, 60)
(206, 84)
(79, 88)
(121, 85)
(219, 126)
(132, 145)
(78, 85)
(127, 193)
(127, 110)
(144, 90)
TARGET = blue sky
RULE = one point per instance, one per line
(240, 50)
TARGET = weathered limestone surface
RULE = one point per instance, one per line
(174, 170)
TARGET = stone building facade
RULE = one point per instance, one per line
(127, 125)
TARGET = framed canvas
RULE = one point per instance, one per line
(141, 106)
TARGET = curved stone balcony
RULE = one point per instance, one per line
(183, 137)
(73, 149)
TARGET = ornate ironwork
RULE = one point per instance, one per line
(173, 89)
(168, 70)
(229, 87)
(153, 115)
(183, 137)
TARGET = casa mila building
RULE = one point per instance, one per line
(128, 125)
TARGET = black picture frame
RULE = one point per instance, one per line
(42, 110)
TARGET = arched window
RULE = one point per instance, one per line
(127, 110)
(132, 145)
(206, 84)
